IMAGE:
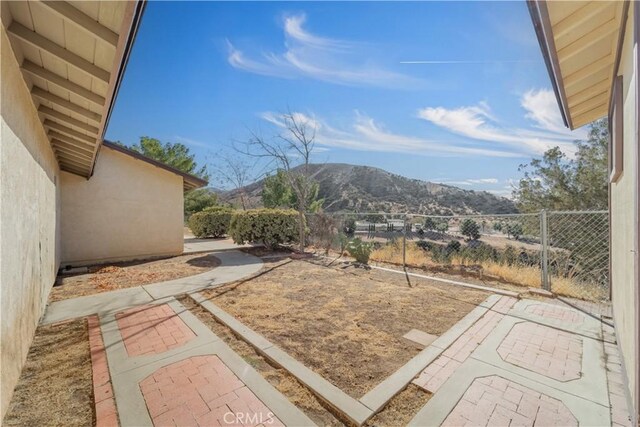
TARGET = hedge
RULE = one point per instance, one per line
(211, 222)
(271, 227)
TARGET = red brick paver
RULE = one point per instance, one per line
(545, 350)
(202, 391)
(496, 401)
(441, 369)
(152, 329)
(566, 315)
(106, 413)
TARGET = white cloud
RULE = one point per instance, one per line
(311, 56)
(365, 134)
(542, 108)
(477, 122)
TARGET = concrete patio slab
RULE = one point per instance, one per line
(419, 338)
(234, 265)
(194, 245)
(92, 304)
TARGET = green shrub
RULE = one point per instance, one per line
(271, 227)
(453, 246)
(211, 222)
(470, 229)
(360, 250)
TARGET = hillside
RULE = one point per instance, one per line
(367, 189)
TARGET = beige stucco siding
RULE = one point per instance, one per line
(28, 221)
(624, 202)
(129, 209)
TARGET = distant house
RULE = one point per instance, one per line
(67, 197)
(591, 51)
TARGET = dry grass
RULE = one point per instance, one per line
(110, 277)
(344, 323)
(525, 276)
(55, 387)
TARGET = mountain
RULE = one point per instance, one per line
(354, 188)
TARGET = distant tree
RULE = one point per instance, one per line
(557, 182)
(277, 193)
(374, 218)
(442, 226)
(291, 152)
(429, 224)
(175, 155)
(235, 172)
(470, 229)
(497, 226)
(514, 230)
(197, 200)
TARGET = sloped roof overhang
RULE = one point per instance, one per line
(581, 43)
(73, 56)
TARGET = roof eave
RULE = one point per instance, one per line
(190, 182)
(542, 25)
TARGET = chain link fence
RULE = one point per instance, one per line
(565, 252)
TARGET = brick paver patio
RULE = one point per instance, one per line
(495, 401)
(201, 390)
(152, 329)
(545, 350)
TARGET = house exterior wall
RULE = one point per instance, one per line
(129, 209)
(29, 215)
(624, 230)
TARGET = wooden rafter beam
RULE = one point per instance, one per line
(85, 22)
(70, 141)
(588, 40)
(38, 41)
(68, 131)
(72, 148)
(57, 80)
(68, 105)
(588, 93)
(69, 155)
(68, 119)
(589, 116)
(579, 17)
(587, 71)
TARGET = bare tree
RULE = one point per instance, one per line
(236, 172)
(291, 152)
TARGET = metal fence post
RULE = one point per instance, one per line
(404, 241)
(544, 242)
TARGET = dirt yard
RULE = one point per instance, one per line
(55, 388)
(345, 323)
(111, 277)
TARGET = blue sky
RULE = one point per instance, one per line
(453, 92)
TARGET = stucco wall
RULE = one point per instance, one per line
(28, 221)
(624, 202)
(129, 209)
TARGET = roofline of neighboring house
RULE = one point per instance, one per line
(128, 46)
(542, 25)
(190, 181)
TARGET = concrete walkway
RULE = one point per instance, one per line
(234, 265)
(526, 363)
(168, 368)
(193, 245)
